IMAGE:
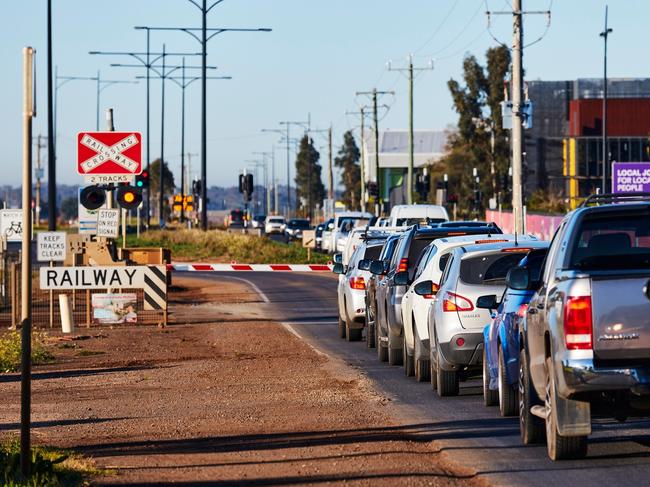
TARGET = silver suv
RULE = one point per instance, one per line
(586, 336)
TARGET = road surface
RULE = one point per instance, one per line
(470, 434)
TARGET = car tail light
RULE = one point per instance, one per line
(490, 240)
(521, 312)
(455, 302)
(577, 323)
(357, 283)
(403, 265)
(517, 249)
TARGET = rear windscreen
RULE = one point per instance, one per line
(488, 269)
(407, 222)
(373, 252)
(612, 241)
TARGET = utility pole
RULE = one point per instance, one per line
(51, 154)
(410, 70)
(330, 172)
(606, 159)
(362, 148)
(517, 106)
(374, 94)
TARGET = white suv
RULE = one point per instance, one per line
(275, 224)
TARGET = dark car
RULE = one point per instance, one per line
(296, 226)
(400, 274)
(501, 341)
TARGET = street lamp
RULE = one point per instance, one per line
(203, 40)
(605, 34)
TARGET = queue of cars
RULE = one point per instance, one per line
(559, 331)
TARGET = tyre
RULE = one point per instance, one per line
(341, 328)
(490, 397)
(448, 381)
(559, 447)
(370, 330)
(433, 363)
(409, 366)
(382, 351)
(421, 364)
(508, 394)
(352, 334)
(395, 356)
(531, 427)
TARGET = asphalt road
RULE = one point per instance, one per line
(469, 433)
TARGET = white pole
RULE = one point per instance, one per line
(67, 320)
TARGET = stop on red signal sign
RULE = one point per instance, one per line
(109, 153)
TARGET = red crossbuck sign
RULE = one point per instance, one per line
(109, 153)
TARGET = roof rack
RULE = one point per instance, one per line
(605, 198)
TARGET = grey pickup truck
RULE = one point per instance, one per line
(585, 341)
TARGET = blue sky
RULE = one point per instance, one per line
(318, 55)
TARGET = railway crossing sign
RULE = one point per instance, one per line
(109, 153)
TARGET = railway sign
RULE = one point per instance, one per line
(108, 222)
(109, 153)
(11, 225)
(50, 246)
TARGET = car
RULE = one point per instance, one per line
(236, 219)
(358, 219)
(586, 336)
(378, 269)
(457, 317)
(406, 215)
(326, 240)
(351, 290)
(296, 226)
(318, 234)
(399, 274)
(258, 221)
(415, 307)
(275, 224)
(501, 339)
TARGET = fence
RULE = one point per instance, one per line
(45, 304)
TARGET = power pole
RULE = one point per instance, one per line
(605, 34)
(51, 155)
(362, 164)
(374, 94)
(410, 76)
(517, 106)
(330, 173)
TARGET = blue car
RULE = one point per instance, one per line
(501, 341)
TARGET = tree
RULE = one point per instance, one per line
(478, 104)
(348, 161)
(154, 185)
(309, 187)
(69, 209)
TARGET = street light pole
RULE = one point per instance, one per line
(51, 150)
(606, 159)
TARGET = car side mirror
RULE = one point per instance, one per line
(487, 302)
(338, 258)
(518, 278)
(377, 267)
(426, 288)
(338, 268)
(364, 264)
(401, 278)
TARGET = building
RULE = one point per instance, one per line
(563, 149)
(428, 147)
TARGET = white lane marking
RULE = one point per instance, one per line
(253, 285)
(291, 329)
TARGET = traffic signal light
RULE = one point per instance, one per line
(92, 197)
(373, 189)
(196, 187)
(142, 180)
(128, 197)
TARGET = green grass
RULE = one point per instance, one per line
(51, 467)
(221, 246)
(10, 348)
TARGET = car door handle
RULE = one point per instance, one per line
(532, 311)
(539, 306)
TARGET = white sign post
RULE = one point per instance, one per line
(108, 222)
(50, 246)
(11, 225)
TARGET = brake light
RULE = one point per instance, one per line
(357, 283)
(521, 312)
(517, 249)
(490, 240)
(455, 302)
(577, 323)
(403, 265)
(454, 234)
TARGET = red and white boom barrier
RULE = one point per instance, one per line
(201, 267)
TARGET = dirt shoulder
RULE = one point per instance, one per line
(214, 399)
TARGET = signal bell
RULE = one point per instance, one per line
(92, 197)
(128, 197)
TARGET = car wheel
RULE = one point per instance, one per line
(370, 330)
(421, 364)
(352, 334)
(408, 361)
(395, 356)
(490, 396)
(448, 381)
(433, 364)
(531, 427)
(382, 349)
(341, 328)
(508, 394)
(559, 447)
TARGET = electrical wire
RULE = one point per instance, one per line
(437, 29)
(466, 26)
